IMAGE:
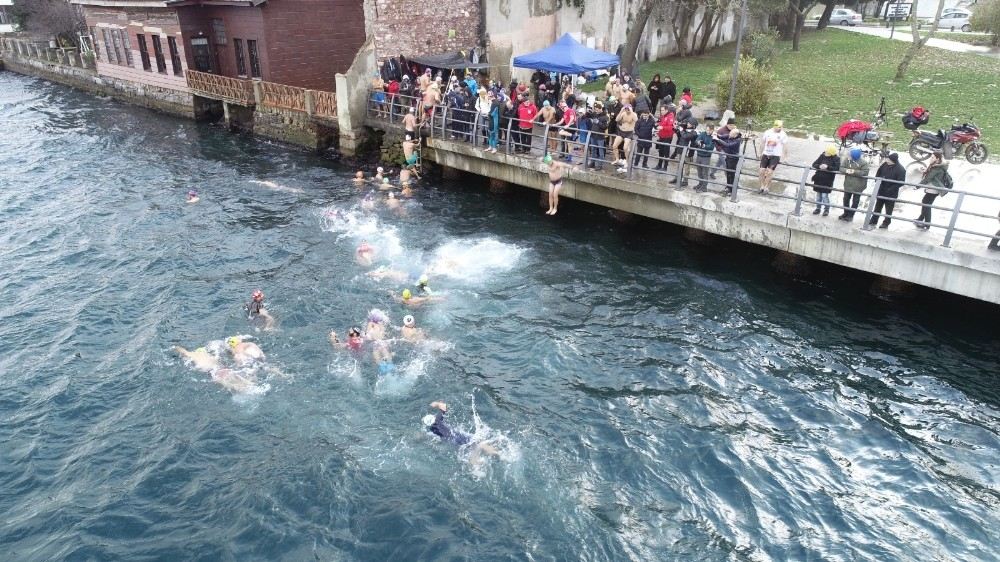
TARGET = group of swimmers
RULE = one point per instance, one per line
(246, 357)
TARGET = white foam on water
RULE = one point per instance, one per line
(474, 260)
(354, 225)
(508, 451)
(277, 186)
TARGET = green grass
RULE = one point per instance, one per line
(839, 75)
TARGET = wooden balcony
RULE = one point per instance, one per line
(234, 90)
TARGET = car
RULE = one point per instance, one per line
(843, 16)
(954, 21)
(947, 11)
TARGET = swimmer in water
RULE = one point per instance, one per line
(423, 285)
(386, 186)
(200, 358)
(410, 331)
(193, 197)
(386, 273)
(244, 352)
(377, 321)
(354, 340)
(359, 177)
(365, 254)
(437, 425)
(410, 153)
(406, 298)
(392, 203)
(383, 358)
(368, 203)
(404, 178)
(378, 175)
(256, 311)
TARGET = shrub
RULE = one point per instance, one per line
(762, 46)
(753, 87)
(987, 18)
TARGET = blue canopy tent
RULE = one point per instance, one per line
(567, 56)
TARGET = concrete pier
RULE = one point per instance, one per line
(966, 268)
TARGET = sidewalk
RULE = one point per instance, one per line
(903, 33)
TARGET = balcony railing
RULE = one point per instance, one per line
(282, 96)
(236, 90)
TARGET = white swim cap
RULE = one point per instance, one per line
(408, 320)
(428, 420)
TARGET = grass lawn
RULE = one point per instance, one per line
(838, 75)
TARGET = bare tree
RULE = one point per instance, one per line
(824, 19)
(918, 42)
(52, 18)
(635, 33)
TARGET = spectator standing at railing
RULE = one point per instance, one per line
(775, 150)
(936, 181)
(471, 85)
(685, 142)
(406, 92)
(722, 133)
(669, 91)
(855, 169)
(483, 106)
(704, 145)
(496, 108)
(583, 131)
(526, 114)
(826, 165)
(893, 176)
(538, 78)
(644, 137)
(655, 89)
(566, 125)
(392, 88)
(684, 114)
(457, 115)
(598, 133)
(730, 146)
(547, 115)
(642, 102)
(665, 135)
(378, 94)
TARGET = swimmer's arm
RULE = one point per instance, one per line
(181, 351)
(439, 405)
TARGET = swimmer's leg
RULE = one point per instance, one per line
(555, 197)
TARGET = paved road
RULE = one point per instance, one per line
(903, 33)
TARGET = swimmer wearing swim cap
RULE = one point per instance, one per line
(365, 254)
(406, 297)
(192, 196)
(200, 358)
(557, 170)
(422, 284)
(438, 426)
(244, 352)
(409, 331)
(256, 312)
(359, 177)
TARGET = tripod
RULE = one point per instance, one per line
(750, 138)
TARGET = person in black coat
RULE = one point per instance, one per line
(893, 176)
(669, 90)
(655, 91)
(826, 167)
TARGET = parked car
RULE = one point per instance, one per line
(955, 20)
(947, 11)
(843, 16)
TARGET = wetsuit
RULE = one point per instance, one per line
(253, 308)
(446, 433)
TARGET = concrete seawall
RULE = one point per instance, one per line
(965, 268)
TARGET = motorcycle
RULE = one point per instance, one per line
(961, 138)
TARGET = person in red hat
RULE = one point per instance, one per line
(256, 311)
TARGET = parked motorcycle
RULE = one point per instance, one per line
(961, 139)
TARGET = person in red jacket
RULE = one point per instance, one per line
(526, 114)
(665, 135)
(393, 90)
(686, 96)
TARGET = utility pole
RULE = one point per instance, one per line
(736, 63)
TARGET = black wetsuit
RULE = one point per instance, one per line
(446, 433)
(253, 308)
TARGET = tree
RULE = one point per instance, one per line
(824, 19)
(918, 41)
(797, 15)
(987, 18)
(51, 18)
(635, 33)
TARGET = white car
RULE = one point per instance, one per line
(954, 21)
(843, 16)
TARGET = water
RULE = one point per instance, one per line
(651, 399)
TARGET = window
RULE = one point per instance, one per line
(117, 42)
(97, 46)
(126, 45)
(108, 46)
(144, 52)
(175, 57)
(241, 63)
(219, 30)
(161, 63)
(254, 60)
(4, 17)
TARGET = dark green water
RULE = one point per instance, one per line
(651, 399)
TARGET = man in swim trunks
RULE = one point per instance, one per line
(437, 425)
(383, 358)
(557, 170)
(407, 298)
(256, 311)
(410, 151)
(775, 142)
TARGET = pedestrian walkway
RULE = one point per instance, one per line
(903, 33)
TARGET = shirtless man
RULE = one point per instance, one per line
(365, 254)
(200, 358)
(244, 352)
(204, 361)
(410, 153)
(377, 321)
(432, 97)
(626, 126)
(547, 116)
(193, 197)
(359, 177)
(383, 358)
(410, 332)
(368, 203)
(392, 203)
(406, 298)
(410, 124)
(256, 311)
(557, 170)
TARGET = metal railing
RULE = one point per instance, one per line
(681, 164)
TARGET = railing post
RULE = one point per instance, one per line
(871, 206)
(680, 168)
(545, 140)
(735, 197)
(800, 193)
(954, 219)
(630, 154)
(310, 103)
(586, 149)
(475, 129)
(510, 125)
(432, 121)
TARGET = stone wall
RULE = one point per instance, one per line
(294, 127)
(160, 99)
(418, 27)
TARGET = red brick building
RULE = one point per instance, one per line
(296, 42)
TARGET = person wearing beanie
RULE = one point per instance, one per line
(893, 176)
(826, 166)
(855, 169)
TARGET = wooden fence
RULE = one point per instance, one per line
(318, 103)
(236, 90)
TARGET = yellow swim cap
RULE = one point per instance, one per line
(200, 350)
(233, 341)
(406, 294)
